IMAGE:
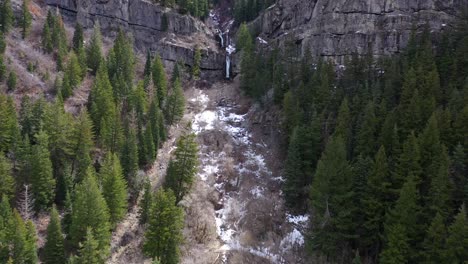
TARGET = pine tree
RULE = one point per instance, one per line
(30, 249)
(148, 67)
(2, 40)
(330, 199)
(26, 19)
(366, 135)
(146, 203)
(129, 157)
(196, 63)
(89, 250)
(159, 80)
(457, 240)
(90, 210)
(244, 38)
(42, 181)
(175, 104)
(11, 81)
(18, 239)
(153, 118)
(378, 193)
(408, 164)
(343, 124)
(74, 70)
(6, 228)
(164, 233)
(102, 107)
(434, 243)
(121, 63)
(2, 68)
(9, 130)
(54, 251)
(78, 38)
(181, 170)
(7, 188)
(149, 145)
(94, 50)
(46, 40)
(82, 140)
(293, 173)
(6, 16)
(459, 172)
(114, 187)
(403, 223)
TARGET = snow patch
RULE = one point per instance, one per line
(204, 121)
(291, 239)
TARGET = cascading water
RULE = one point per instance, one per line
(221, 38)
(229, 50)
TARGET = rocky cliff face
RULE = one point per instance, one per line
(153, 27)
(337, 28)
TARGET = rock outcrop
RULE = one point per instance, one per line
(153, 27)
(338, 28)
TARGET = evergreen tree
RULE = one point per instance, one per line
(159, 80)
(43, 183)
(148, 67)
(244, 39)
(457, 240)
(46, 40)
(183, 167)
(366, 135)
(330, 199)
(129, 157)
(89, 250)
(196, 63)
(82, 140)
(402, 223)
(78, 38)
(408, 165)
(121, 64)
(17, 241)
(2, 40)
(377, 199)
(54, 250)
(146, 203)
(2, 68)
(9, 131)
(434, 243)
(7, 188)
(164, 233)
(293, 173)
(26, 19)
(149, 145)
(102, 107)
(94, 50)
(458, 174)
(6, 16)
(90, 210)
(30, 248)
(175, 104)
(6, 228)
(114, 187)
(343, 124)
(153, 118)
(11, 81)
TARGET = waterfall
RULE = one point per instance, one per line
(220, 34)
(228, 65)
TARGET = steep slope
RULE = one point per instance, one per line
(336, 28)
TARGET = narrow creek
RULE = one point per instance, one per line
(250, 220)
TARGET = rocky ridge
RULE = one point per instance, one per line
(340, 28)
(153, 27)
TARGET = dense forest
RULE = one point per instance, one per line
(377, 147)
(84, 168)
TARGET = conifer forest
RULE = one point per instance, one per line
(233, 131)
